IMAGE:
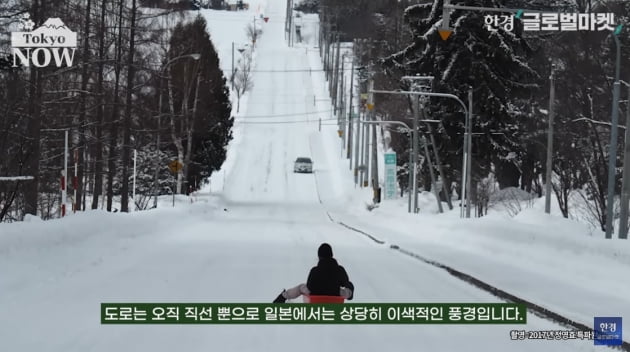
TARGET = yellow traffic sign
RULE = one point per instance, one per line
(445, 33)
(370, 106)
(175, 166)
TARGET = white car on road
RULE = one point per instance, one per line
(303, 164)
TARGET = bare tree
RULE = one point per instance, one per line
(34, 125)
(252, 33)
(114, 119)
(81, 119)
(98, 148)
(190, 124)
(242, 77)
(186, 124)
(124, 206)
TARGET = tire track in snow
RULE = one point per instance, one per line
(319, 197)
(269, 157)
(286, 168)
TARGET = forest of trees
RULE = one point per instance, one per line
(509, 73)
(142, 81)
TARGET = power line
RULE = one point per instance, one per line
(291, 71)
(282, 122)
(283, 103)
(289, 114)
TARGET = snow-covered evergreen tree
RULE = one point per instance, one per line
(201, 120)
(494, 62)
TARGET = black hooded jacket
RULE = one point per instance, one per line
(327, 278)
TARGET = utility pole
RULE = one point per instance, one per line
(232, 78)
(612, 161)
(427, 155)
(358, 144)
(414, 151)
(290, 15)
(375, 184)
(409, 135)
(321, 30)
(342, 116)
(436, 191)
(329, 61)
(358, 155)
(552, 97)
(324, 49)
(350, 110)
(156, 160)
(469, 153)
(412, 173)
(336, 75)
(364, 145)
(64, 194)
(339, 94)
(75, 181)
(360, 152)
(133, 192)
(356, 147)
(625, 190)
(413, 179)
(286, 20)
(367, 137)
(445, 186)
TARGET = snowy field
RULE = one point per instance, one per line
(256, 230)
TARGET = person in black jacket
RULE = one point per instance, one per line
(328, 278)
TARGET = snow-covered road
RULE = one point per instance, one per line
(201, 253)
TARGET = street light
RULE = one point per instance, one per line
(413, 178)
(196, 57)
(425, 87)
(467, 148)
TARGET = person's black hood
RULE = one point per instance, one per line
(325, 251)
(327, 262)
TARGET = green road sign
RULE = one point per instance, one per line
(391, 186)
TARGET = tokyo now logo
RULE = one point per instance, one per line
(52, 42)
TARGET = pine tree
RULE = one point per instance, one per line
(202, 118)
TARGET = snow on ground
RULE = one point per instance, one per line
(550, 261)
(246, 239)
(54, 276)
